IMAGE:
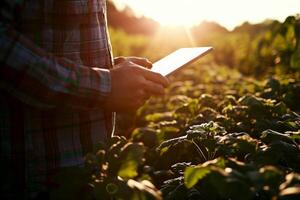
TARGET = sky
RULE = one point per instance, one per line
(228, 13)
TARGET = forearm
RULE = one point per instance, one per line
(29, 70)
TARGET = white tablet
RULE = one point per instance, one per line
(178, 59)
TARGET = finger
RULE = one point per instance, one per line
(118, 60)
(126, 63)
(136, 104)
(140, 94)
(155, 77)
(154, 88)
(141, 61)
(144, 95)
(147, 96)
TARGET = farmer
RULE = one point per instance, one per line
(59, 87)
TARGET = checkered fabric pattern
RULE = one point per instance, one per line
(54, 77)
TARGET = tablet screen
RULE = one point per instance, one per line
(178, 59)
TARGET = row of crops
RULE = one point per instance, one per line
(222, 136)
(216, 134)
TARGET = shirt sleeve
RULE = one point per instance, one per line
(41, 79)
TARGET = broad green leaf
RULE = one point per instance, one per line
(170, 142)
(193, 174)
(295, 59)
(144, 190)
(132, 156)
(146, 135)
(269, 136)
(205, 129)
(179, 192)
(280, 108)
(295, 137)
(156, 117)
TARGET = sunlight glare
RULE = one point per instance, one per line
(229, 13)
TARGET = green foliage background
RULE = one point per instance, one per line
(257, 50)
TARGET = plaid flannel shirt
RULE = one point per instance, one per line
(54, 77)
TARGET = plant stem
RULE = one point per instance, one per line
(199, 150)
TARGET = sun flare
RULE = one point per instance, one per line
(168, 12)
(228, 13)
(175, 14)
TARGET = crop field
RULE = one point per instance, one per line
(227, 128)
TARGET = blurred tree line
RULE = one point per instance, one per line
(127, 21)
(270, 47)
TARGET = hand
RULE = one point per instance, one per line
(144, 62)
(132, 85)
